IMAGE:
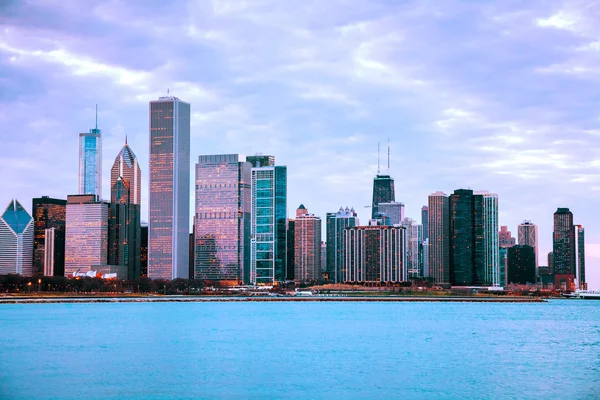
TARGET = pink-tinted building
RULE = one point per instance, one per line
(307, 246)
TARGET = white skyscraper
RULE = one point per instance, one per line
(491, 240)
(169, 199)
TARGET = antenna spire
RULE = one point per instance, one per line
(96, 116)
(378, 169)
(125, 140)
(388, 155)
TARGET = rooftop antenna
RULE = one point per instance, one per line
(125, 140)
(167, 90)
(96, 116)
(378, 170)
(388, 155)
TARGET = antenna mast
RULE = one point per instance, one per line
(388, 155)
(96, 116)
(378, 170)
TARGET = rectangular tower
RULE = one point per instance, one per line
(307, 246)
(528, 235)
(222, 219)
(563, 244)
(16, 240)
(268, 225)
(383, 192)
(336, 223)
(425, 222)
(169, 200)
(580, 252)
(49, 214)
(393, 211)
(90, 161)
(439, 238)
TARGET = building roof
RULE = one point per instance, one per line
(16, 217)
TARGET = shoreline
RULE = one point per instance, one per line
(219, 299)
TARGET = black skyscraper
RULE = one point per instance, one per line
(425, 222)
(521, 264)
(290, 253)
(47, 214)
(383, 192)
(563, 249)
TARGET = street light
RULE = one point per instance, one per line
(29, 285)
(39, 284)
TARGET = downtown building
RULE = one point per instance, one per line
(563, 250)
(16, 240)
(86, 237)
(222, 219)
(169, 198)
(528, 236)
(414, 233)
(49, 224)
(268, 222)
(90, 161)
(383, 192)
(307, 246)
(438, 221)
(521, 265)
(580, 254)
(391, 213)
(375, 254)
(335, 225)
(124, 227)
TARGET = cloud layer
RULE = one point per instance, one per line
(496, 95)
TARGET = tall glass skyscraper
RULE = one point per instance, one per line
(580, 252)
(393, 212)
(383, 192)
(268, 225)
(491, 255)
(90, 161)
(16, 240)
(439, 237)
(528, 235)
(413, 266)
(169, 200)
(124, 239)
(336, 223)
(425, 222)
(563, 245)
(49, 221)
(222, 220)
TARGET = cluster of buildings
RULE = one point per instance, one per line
(242, 233)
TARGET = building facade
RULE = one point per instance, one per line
(528, 236)
(124, 239)
(439, 237)
(563, 244)
(392, 213)
(383, 192)
(49, 217)
(86, 238)
(222, 220)
(425, 221)
(16, 240)
(375, 254)
(307, 246)
(290, 256)
(413, 264)
(335, 224)
(90, 161)
(169, 199)
(490, 238)
(580, 252)
(505, 237)
(521, 265)
(268, 225)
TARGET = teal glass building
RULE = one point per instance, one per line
(90, 162)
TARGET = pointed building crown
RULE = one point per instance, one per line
(16, 217)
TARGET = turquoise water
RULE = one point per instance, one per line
(300, 350)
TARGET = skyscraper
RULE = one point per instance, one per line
(90, 161)
(336, 223)
(268, 225)
(425, 222)
(491, 273)
(222, 218)
(413, 266)
(259, 160)
(563, 249)
(16, 240)
(375, 254)
(394, 211)
(383, 192)
(505, 238)
(521, 264)
(528, 235)
(580, 252)
(439, 237)
(290, 256)
(86, 238)
(169, 200)
(144, 250)
(49, 220)
(124, 239)
(307, 246)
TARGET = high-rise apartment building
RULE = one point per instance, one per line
(86, 238)
(425, 222)
(49, 220)
(307, 246)
(392, 211)
(383, 192)
(528, 236)
(144, 250)
(124, 238)
(580, 253)
(290, 256)
(491, 259)
(505, 238)
(169, 200)
(90, 161)
(335, 225)
(222, 219)
(413, 266)
(563, 249)
(16, 240)
(439, 237)
(268, 225)
(375, 254)
(521, 265)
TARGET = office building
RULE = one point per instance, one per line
(268, 225)
(335, 224)
(144, 250)
(528, 236)
(222, 219)
(392, 213)
(290, 256)
(521, 265)
(425, 221)
(503, 255)
(491, 257)
(307, 246)
(259, 160)
(324, 261)
(424, 256)
(90, 161)
(124, 229)
(439, 237)
(49, 218)
(86, 238)
(550, 258)
(383, 192)
(169, 199)
(563, 249)
(413, 266)
(505, 238)
(580, 254)
(16, 240)
(375, 254)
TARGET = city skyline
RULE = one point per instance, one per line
(516, 153)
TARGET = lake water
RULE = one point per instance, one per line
(300, 350)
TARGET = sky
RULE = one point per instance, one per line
(495, 95)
